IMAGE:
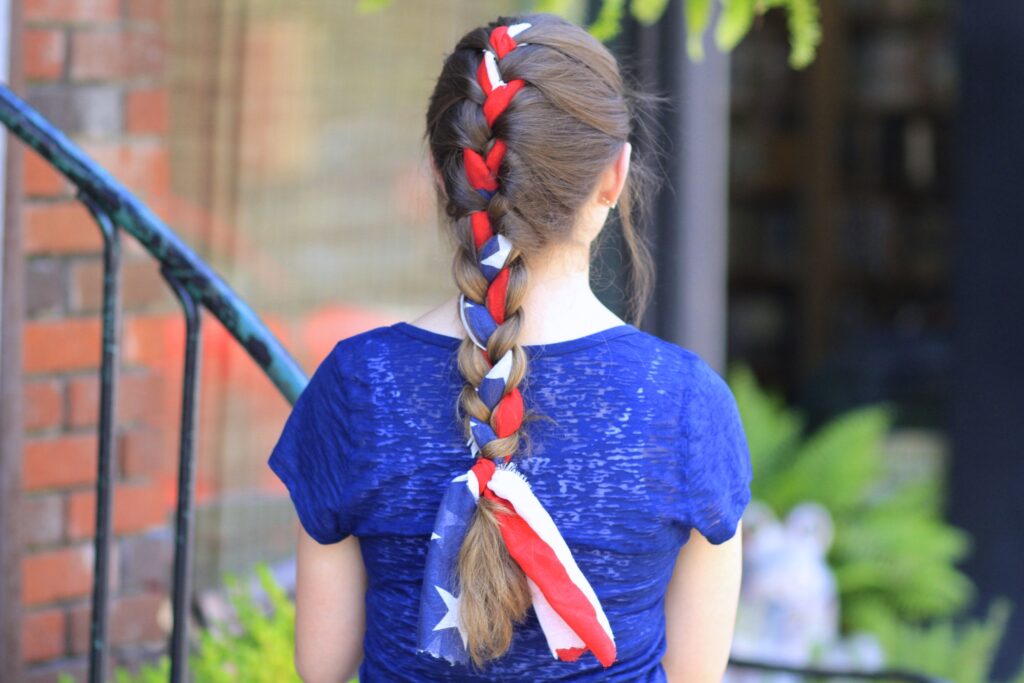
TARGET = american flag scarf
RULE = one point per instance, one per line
(567, 609)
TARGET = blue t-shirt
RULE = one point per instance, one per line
(644, 442)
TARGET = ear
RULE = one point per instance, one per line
(613, 179)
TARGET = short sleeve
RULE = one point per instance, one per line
(310, 455)
(717, 472)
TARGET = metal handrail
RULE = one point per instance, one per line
(127, 212)
(196, 286)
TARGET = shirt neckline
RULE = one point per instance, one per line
(548, 349)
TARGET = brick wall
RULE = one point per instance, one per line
(96, 69)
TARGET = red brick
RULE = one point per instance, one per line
(46, 512)
(141, 285)
(143, 167)
(62, 345)
(72, 10)
(139, 451)
(43, 407)
(45, 284)
(40, 177)
(137, 507)
(45, 50)
(56, 574)
(133, 619)
(148, 339)
(59, 461)
(147, 111)
(43, 635)
(60, 228)
(138, 399)
(106, 54)
(149, 10)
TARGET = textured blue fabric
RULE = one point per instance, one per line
(642, 441)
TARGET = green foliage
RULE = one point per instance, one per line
(560, 7)
(609, 19)
(734, 21)
(371, 5)
(804, 29)
(258, 649)
(893, 555)
(647, 11)
(960, 652)
(698, 17)
(261, 649)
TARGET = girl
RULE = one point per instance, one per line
(519, 485)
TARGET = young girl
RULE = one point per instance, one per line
(519, 485)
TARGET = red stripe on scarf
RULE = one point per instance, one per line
(540, 563)
(482, 230)
(496, 295)
(499, 98)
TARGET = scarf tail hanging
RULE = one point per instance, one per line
(569, 613)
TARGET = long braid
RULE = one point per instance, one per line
(494, 590)
(506, 551)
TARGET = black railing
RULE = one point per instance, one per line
(196, 287)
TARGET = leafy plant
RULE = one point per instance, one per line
(893, 555)
(961, 652)
(735, 19)
(258, 648)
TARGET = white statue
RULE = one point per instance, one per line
(789, 601)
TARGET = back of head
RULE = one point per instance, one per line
(520, 139)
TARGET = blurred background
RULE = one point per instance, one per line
(839, 235)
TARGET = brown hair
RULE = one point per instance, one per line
(562, 129)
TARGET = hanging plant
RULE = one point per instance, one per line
(733, 22)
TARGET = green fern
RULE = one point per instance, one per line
(893, 555)
(960, 652)
(892, 552)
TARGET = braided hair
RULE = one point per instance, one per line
(526, 114)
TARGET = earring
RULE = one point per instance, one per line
(609, 203)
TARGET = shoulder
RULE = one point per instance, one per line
(683, 362)
(701, 390)
(349, 351)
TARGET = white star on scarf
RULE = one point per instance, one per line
(451, 617)
(500, 255)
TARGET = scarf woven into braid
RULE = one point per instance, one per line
(566, 606)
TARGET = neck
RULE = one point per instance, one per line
(559, 303)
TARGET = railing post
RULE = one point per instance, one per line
(184, 519)
(98, 628)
